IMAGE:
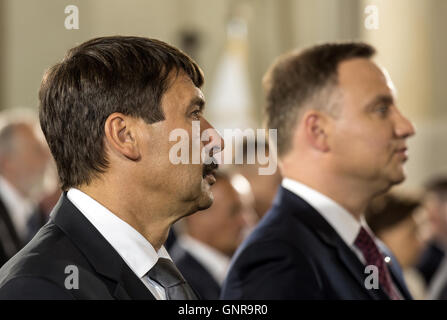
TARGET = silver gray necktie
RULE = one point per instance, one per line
(169, 277)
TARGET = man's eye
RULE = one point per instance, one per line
(383, 110)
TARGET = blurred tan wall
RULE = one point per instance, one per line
(34, 36)
(33, 39)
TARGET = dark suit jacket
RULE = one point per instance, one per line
(430, 261)
(295, 254)
(37, 220)
(195, 273)
(10, 242)
(38, 271)
(171, 240)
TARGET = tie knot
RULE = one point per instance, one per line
(368, 247)
(166, 273)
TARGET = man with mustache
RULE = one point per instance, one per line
(106, 111)
(341, 142)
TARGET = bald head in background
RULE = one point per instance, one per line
(23, 161)
(23, 158)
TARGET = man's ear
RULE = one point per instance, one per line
(316, 126)
(121, 135)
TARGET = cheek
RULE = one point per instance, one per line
(363, 136)
(186, 174)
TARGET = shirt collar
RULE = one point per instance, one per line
(214, 261)
(136, 251)
(338, 217)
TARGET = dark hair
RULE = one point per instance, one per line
(389, 210)
(297, 77)
(95, 79)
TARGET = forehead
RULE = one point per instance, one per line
(362, 80)
(181, 90)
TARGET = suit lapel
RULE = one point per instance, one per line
(399, 281)
(395, 271)
(129, 286)
(356, 269)
(102, 256)
(317, 224)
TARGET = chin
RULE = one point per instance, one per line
(395, 180)
(205, 201)
(400, 176)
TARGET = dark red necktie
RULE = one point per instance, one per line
(373, 257)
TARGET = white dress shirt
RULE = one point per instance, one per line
(212, 260)
(135, 250)
(19, 208)
(346, 226)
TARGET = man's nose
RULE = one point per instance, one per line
(403, 127)
(215, 141)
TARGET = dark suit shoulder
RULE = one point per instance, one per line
(280, 226)
(272, 269)
(44, 265)
(281, 259)
(69, 253)
(294, 253)
(49, 249)
(32, 288)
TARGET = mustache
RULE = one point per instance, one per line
(209, 168)
(211, 164)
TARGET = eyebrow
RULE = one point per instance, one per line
(196, 101)
(383, 98)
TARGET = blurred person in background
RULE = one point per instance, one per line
(243, 187)
(341, 141)
(397, 221)
(433, 264)
(438, 286)
(264, 187)
(24, 157)
(204, 249)
(435, 204)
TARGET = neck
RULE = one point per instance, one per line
(352, 196)
(149, 214)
